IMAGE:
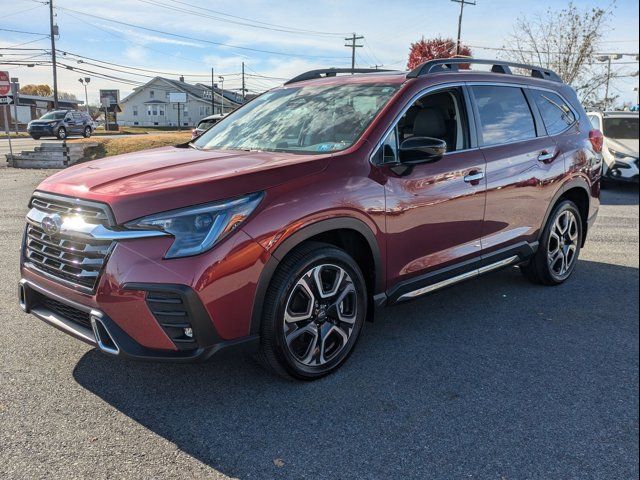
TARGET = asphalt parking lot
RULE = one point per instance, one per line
(493, 379)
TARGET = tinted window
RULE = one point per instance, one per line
(621, 128)
(505, 115)
(555, 112)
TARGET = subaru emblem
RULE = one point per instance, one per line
(51, 224)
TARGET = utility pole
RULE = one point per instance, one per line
(462, 4)
(243, 89)
(53, 32)
(353, 47)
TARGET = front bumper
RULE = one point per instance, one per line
(40, 130)
(94, 327)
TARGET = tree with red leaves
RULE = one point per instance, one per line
(424, 50)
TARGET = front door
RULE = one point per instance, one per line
(434, 210)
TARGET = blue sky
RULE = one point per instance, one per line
(317, 39)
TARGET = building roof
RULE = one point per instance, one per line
(38, 98)
(199, 91)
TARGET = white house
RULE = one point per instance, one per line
(149, 104)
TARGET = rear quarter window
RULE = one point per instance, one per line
(505, 116)
(556, 113)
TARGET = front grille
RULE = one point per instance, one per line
(63, 310)
(75, 260)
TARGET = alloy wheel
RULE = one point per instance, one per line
(563, 244)
(320, 315)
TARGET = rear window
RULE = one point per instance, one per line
(556, 114)
(505, 115)
(621, 128)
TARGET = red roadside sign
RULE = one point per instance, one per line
(5, 83)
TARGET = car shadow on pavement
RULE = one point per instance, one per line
(492, 378)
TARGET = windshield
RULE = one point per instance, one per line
(313, 119)
(53, 116)
(621, 128)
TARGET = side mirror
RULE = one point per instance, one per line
(422, 149)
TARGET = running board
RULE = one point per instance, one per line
(459, 278)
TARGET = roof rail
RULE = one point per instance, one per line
(330, 72)
(497, 66)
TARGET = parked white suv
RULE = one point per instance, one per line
(620, 150)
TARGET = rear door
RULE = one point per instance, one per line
(523, 163)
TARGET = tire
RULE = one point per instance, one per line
(559, 247)
(87, 132)
(35, 137)
(61, 134)
(313, 312)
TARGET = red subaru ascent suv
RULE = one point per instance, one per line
(284, 226)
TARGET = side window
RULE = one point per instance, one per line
(556, 114)
(595, 122)
(505, 115)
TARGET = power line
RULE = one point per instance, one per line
(263, 26)
(20, 11)
(22, 32)
(195, 39)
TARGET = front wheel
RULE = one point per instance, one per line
(313, 312)
(559, 247)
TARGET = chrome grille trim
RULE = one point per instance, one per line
(80, 265)
(74, 256)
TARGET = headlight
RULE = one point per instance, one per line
(197, 229)
(617, 154)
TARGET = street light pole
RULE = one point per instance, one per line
(85, 81)
(221, 78)
(608, 59)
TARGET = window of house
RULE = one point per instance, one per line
(135, 110)
(202, 110)
(556, 114)
(161, 110)
(505, 115)
(151, 94)
(149, 110)
(154, 109)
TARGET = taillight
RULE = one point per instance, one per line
(597, 140)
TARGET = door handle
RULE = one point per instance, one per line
(474, 177)
(545, 156)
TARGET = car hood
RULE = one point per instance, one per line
(627, 146)
(161, 179)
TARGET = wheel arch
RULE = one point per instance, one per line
(347, 233)
(576, 190)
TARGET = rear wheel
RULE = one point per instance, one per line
(559, 247)
(61, 133)
(313, 312)
(87, 132)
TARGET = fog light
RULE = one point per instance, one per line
(188, 332)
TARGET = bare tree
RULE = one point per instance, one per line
(566, 41)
